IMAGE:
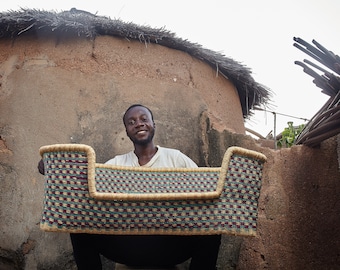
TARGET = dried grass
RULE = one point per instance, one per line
(84, 24)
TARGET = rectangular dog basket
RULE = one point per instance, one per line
(82, 196)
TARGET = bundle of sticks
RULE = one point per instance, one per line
(326, 122)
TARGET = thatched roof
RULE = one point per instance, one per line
(82, 23)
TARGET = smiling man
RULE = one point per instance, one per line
(163, 251)
(140, 128)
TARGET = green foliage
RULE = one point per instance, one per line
(289, 135)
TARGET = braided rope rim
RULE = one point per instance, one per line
(92, 165)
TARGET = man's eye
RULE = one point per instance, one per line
(131, 122)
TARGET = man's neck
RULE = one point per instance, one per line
(145, 152)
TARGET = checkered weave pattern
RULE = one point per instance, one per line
(82, 196)
(133, 181)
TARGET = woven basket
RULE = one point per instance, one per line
(82, 196)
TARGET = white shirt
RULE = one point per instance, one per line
(164, 158)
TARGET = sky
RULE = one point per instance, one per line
(258, 34)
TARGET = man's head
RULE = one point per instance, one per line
(139, 124)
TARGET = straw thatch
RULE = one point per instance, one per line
(84, 24)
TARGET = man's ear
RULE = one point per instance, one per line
(154, 125)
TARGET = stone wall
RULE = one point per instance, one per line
(76, 91)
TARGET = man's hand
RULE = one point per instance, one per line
(41, 167)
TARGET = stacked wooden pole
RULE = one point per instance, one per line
(326, 122)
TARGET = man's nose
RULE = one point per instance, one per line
(139, 123)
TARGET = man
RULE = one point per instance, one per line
(140, 128)
(146, 250)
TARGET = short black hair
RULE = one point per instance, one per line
(136, 105)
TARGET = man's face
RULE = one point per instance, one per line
(139, 125)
